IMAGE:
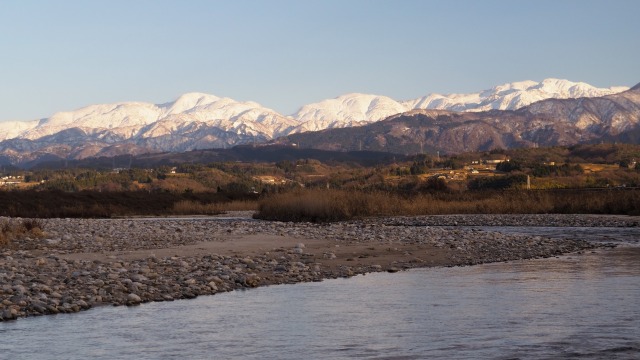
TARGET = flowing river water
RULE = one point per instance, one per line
(583, 306)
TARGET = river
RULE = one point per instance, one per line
(582, 306)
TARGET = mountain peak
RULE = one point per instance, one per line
(190, 96)
(349, 108)
(518, 85)
(189, 101)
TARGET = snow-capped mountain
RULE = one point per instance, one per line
(359, 109)
(511, 96)
(143, 120)
(549, 122)
(346, 110)
(196, 120)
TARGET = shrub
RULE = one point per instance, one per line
(508, 166)
(436, 184)
(11, 230)
(31, 224)
(497, 182)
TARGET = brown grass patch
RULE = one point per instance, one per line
(319, 205)
(191, 207)
(95, 204)
(12, 229)
(325, 205)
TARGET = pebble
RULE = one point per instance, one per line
(48, 284)
(133, 299)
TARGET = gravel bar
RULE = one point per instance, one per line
(82, 263)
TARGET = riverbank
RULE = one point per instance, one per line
(81, 263)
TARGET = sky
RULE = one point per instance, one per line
(60, 55)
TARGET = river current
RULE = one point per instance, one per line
(582, 306)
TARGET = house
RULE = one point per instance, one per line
(495, 161)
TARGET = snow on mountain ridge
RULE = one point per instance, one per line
(132, 119)
(357, 109)
(349, 107)
(13, 129)
(96, 117)
(187, 102)
(137, 120)
(511, 96)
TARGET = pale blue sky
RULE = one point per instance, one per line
(62, 55)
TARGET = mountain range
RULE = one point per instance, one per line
(550, 122)
(198, 121)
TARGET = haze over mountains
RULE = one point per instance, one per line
(198, 121)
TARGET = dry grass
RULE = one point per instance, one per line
(11, 230)
(319, 205)
(326, 205)
(94, 204)
(190, 207)
(239, 205)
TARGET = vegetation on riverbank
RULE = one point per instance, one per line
(581, 179)
(11, 229)
(94, 204)
(320, 205)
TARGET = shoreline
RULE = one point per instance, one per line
(82, 263)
